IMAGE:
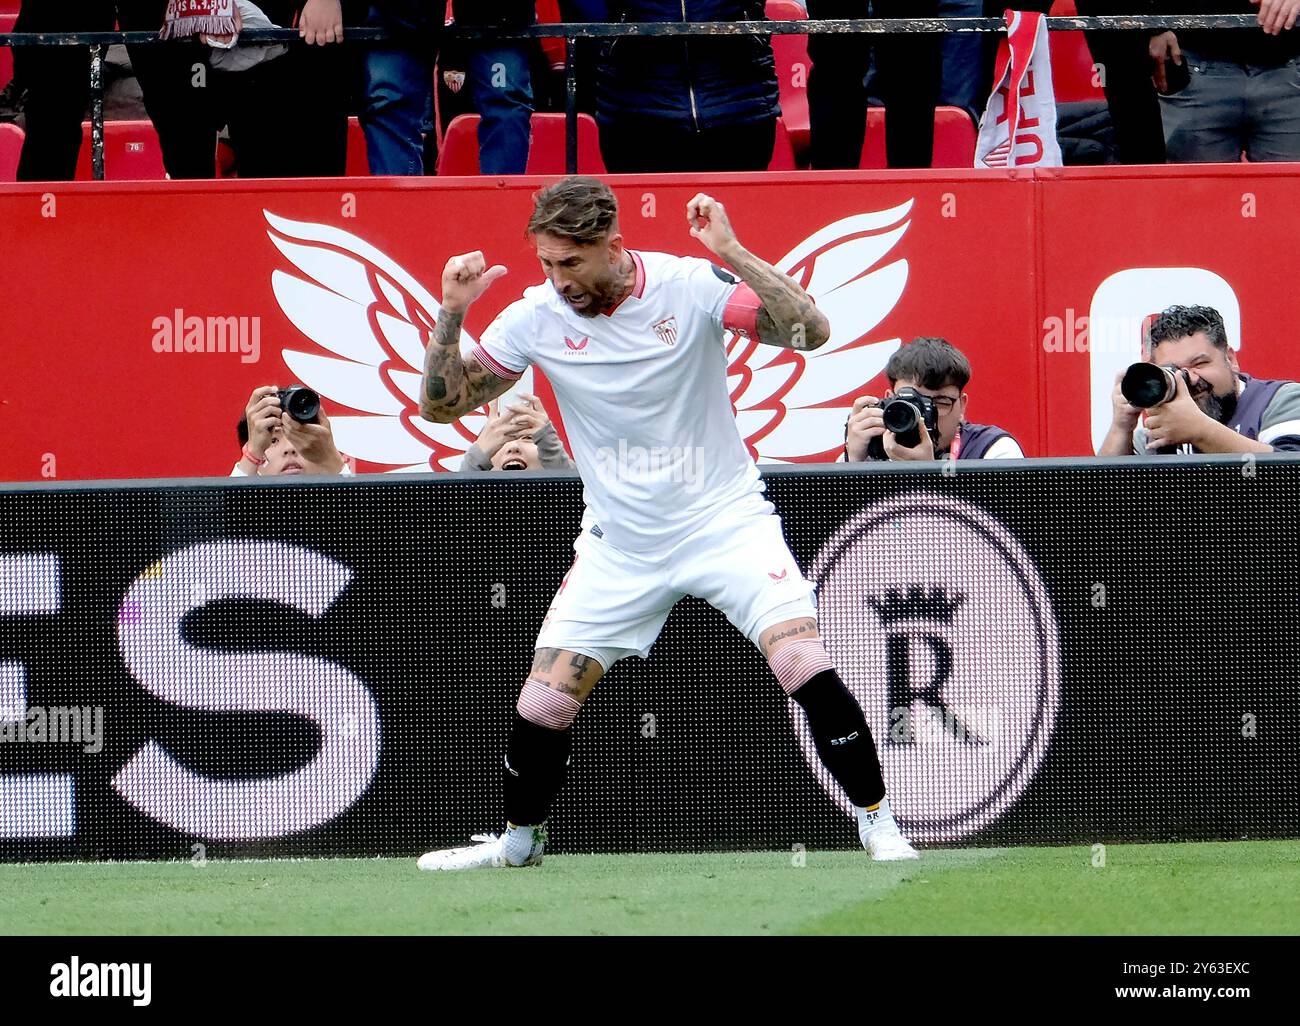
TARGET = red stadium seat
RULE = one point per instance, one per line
(358, 165)
(11, 147)
(7, 19)
(954, 139)
(783, 158)
(131, 152)
(792, 66)
(459, 153)
(1072, 62)
(1072, 68)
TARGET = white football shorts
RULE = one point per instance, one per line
(612, 604)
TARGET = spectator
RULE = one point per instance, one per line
(287, 109)
(1126, 80)
(520, 438)
(499, 76)
(939, 370)
(57, 80)
(397, 104)
(961, 59)
(909, 75)
(274, 443)
(1216, 408)
(1228, 91)
(691, 104)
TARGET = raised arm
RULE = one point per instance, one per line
(452, 386)
(788, 316)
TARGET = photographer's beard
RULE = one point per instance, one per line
(1216, 407)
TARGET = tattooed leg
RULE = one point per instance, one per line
(541, 735)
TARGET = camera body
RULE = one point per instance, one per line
(905, 413)
(1146, 385)
(300, 403)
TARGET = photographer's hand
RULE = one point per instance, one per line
(1178, 421)
(263, 416)
(923, 450)
(314, 443)
(865, 423)
(1124, 419)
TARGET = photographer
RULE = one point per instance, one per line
(520, 437)
(275, 440)
(932, 372)
(1212, 405)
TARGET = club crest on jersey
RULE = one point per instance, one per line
(576, 348)
(667, 330)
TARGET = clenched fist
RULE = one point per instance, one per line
(710, 224)
(465, 278)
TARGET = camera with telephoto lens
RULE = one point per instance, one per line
(904, 414)
(1149, 384)
(300, 403)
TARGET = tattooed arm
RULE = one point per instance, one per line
(452, 386)
(788, 316)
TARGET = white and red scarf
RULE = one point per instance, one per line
(188, 17)
(1018, 128)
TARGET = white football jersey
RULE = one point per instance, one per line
(643, 394)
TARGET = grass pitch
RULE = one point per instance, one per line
(1242, 887)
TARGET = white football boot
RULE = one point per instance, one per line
(881, 837)
(488, 853)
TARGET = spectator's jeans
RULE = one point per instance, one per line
(1228, 108)
(503, 96)
(397, 107)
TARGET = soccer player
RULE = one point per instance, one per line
(632, 344)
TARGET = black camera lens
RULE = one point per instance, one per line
(904, 420)
(1148, 384)
(300, 403)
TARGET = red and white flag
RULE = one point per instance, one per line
(1018, 128)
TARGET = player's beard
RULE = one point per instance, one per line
(603, 294)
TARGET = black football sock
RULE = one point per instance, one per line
(842, 737)
(537, 760)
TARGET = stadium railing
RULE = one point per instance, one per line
(577, 32)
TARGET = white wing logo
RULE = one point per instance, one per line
(375, 318)
(790, 405)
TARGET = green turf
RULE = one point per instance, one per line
(1234, 888)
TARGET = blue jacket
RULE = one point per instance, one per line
(697, 81)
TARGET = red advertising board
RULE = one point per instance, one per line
(140, 316)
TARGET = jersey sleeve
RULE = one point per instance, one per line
(505, 347)
(730, 303)
(1280, 425)
(1005, 448)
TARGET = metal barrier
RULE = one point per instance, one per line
(572, 33)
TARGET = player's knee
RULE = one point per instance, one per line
(544, 705)
(798, 662)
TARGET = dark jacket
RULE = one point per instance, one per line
(699, 82)
(505, 13)
(1246, 46)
